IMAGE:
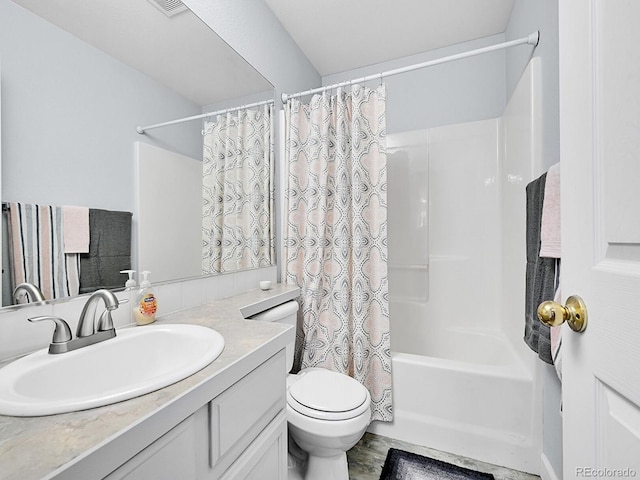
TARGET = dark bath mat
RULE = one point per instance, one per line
(401, 465)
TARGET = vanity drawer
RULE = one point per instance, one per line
(240, 413)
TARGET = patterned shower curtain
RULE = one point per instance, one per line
(336, 237)
(237, 191)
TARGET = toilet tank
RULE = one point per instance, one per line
(286, 313)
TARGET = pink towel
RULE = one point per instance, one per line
(550, 227)
(75, 229)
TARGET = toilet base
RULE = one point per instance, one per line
(327, 468)
(295, 470)
(302, 466)
(296, 461)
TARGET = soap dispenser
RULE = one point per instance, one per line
(144, 310)
(131, 283)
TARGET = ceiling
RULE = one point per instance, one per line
(180, 52)
(184, 54)
(340, 35)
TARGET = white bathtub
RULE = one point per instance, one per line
(466, 394)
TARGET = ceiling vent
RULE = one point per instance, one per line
(169, 7)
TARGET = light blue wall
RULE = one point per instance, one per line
(69, 114)
(456, 92)
(526, 17)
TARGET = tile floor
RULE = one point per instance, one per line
(367, 458)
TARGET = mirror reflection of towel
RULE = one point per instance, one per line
(37, 253)
(75, 221)
(109, 250)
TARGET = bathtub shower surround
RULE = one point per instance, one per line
(336, 236)
(478, 393)
(237, 191)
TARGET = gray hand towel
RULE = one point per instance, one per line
(540, 274)
(109, 250)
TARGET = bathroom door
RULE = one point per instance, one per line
(600, 165)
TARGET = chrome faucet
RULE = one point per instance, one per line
(27, 293)
(89, 330)
(88, 325)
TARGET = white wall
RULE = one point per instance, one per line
(169, 194)
(408, 224)
(447, 178)
(522, 141)
(521, 134)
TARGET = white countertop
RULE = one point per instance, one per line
(81, 445)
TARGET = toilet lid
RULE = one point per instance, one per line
(327, 395)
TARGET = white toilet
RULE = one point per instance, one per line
(327, 412)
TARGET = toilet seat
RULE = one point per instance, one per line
(327, 395)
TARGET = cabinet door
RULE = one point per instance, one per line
(179, 454)
(240, 413)
(266, 457)
(272, 464)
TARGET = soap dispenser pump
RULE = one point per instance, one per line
(144, 310)
(131, 283)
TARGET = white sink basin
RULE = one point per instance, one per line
(138, 360)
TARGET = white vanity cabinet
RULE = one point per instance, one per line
(225, 422)
(239, 434)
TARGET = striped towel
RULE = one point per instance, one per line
(36, 242)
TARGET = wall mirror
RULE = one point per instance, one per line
(77, 79)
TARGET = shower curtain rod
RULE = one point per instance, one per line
(530, 40)
(141, 130)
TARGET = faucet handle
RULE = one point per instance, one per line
(62, 332)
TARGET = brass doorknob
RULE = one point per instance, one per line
(575, 313)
